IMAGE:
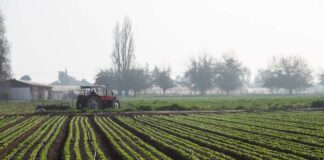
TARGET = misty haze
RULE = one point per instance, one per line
(185, 79)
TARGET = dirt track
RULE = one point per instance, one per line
(147, 112)
(124, 113)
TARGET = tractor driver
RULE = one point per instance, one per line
(93, 92)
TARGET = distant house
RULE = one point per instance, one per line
(60, 92)
(27, 91)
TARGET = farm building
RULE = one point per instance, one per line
(27, 91)
(60, 92)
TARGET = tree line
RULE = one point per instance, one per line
(203, 73)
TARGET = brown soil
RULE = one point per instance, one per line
(68, 113)
(81, 140)
(103, 141)
(126, 113)
(57, 149)
(90, 141)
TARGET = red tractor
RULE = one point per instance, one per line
(96, 97)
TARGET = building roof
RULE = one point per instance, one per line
(65, 88)
(21, 83)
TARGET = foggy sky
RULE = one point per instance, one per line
(51, 35)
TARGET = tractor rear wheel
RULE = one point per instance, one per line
(94, 102)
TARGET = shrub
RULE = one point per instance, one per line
(155, 101)
(274, 108)
(240, 108)
(318, 104)
(4, 96)
(145, 108)
(194, 107)
(129, 109)
(55, 107)
(172, 107)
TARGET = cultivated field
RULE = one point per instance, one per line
(272, 135)
(249, 103)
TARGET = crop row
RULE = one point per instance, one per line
(234, 148)
(189, 137)
(11, 134)
(81, 142)
(294, 127)
(39, 142)
(8, 121)
(174, 146)
(253, 137)
(309, 119)
(274, 124)
(125, 144)
(303, 136)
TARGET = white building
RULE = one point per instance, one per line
(60, 92)
(27, 91)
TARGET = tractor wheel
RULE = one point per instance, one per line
(94, 102)
(115, 104)
(79, 105)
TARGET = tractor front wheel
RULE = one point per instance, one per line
(79, 105)
(115, 104)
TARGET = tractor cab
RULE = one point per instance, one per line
(96, 97)
(95, 90)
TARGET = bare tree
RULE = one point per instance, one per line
(290, 72)
(5, 69)
(123, 53)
